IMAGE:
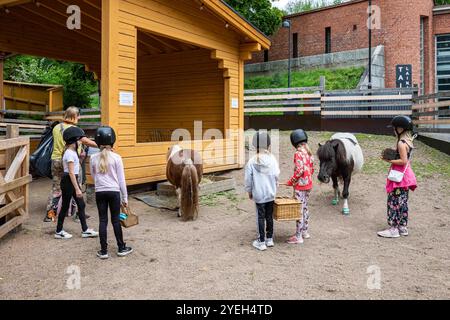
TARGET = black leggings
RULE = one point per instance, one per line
(68, 192)
(112, 200)
(265, 217)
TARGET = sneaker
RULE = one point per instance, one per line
(270, 243)
(389, 233)
(403, 231)
(295, 240)
(63, 235)
(306, 235)
(102, 255)
(47, 219)
(124, 251)
(89, 233)
(261, 246)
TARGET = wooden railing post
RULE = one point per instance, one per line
(12, 131)
(2, 98)
(323, 84)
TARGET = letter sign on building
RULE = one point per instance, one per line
(404, 76)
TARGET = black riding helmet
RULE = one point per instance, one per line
(404, 122)
(73, 134)
(298, 136)
(261, 140)
(105, 136)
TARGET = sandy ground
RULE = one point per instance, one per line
(212, 258)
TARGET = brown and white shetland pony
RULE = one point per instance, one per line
(185, 171)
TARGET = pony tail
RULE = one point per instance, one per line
(104, 161)
(189, 203)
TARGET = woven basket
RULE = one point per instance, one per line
(287, 209)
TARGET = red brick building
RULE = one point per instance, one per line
(413, 32)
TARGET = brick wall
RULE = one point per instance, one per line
(441, 23)
(311, 32)
(399, 33)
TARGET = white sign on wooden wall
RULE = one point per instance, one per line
(126, 98)
(235, 103)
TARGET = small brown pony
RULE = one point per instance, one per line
(185, 171)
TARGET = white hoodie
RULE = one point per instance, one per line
(261, 177)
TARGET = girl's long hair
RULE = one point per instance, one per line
(104, 159)
(307, 148)
(407, 135)
(67, 147)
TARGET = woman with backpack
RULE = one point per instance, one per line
(71, 118)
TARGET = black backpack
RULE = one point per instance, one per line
(41, 159)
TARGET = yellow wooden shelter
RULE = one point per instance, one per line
(33, 97)
(163, 64)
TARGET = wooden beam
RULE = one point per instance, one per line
(10, 3)
(35, 36)
(10, 225)
(110, 63)
(62, 24)
(252, 47)
(85, 12)
(17, 183)
(165, 43)
(11, 207)
(2, 102)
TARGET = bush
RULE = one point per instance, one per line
(78, 84)
(346, 78)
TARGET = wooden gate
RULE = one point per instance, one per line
(14, 180)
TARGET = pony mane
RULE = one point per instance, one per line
(325, 151)
(332, 148)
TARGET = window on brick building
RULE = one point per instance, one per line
(443, 62)
(422, 56)
(266, 55)
(443, 65)
(328, 40)
(295, 45)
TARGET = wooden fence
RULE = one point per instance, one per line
(32, 97)
(380, 103)
(432, 113)
(90, 119)
(269, 101)
(14, 180)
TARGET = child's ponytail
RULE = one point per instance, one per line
(307, 148)
(104, 160)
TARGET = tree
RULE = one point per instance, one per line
(78, 84)
(441, 2)
(259, 12)
(296, 6)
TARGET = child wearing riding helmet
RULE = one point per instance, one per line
(70, 187)
(71, 117)
(261, 179)
(110, 189)
(302, 182)
(398, 192)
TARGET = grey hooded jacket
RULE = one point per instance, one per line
(261, 177)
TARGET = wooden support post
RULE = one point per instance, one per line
(2, 95)
(323, 83)
(110, 64)
(12, 131)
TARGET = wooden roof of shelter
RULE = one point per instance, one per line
(39, 28)
(38, 85)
